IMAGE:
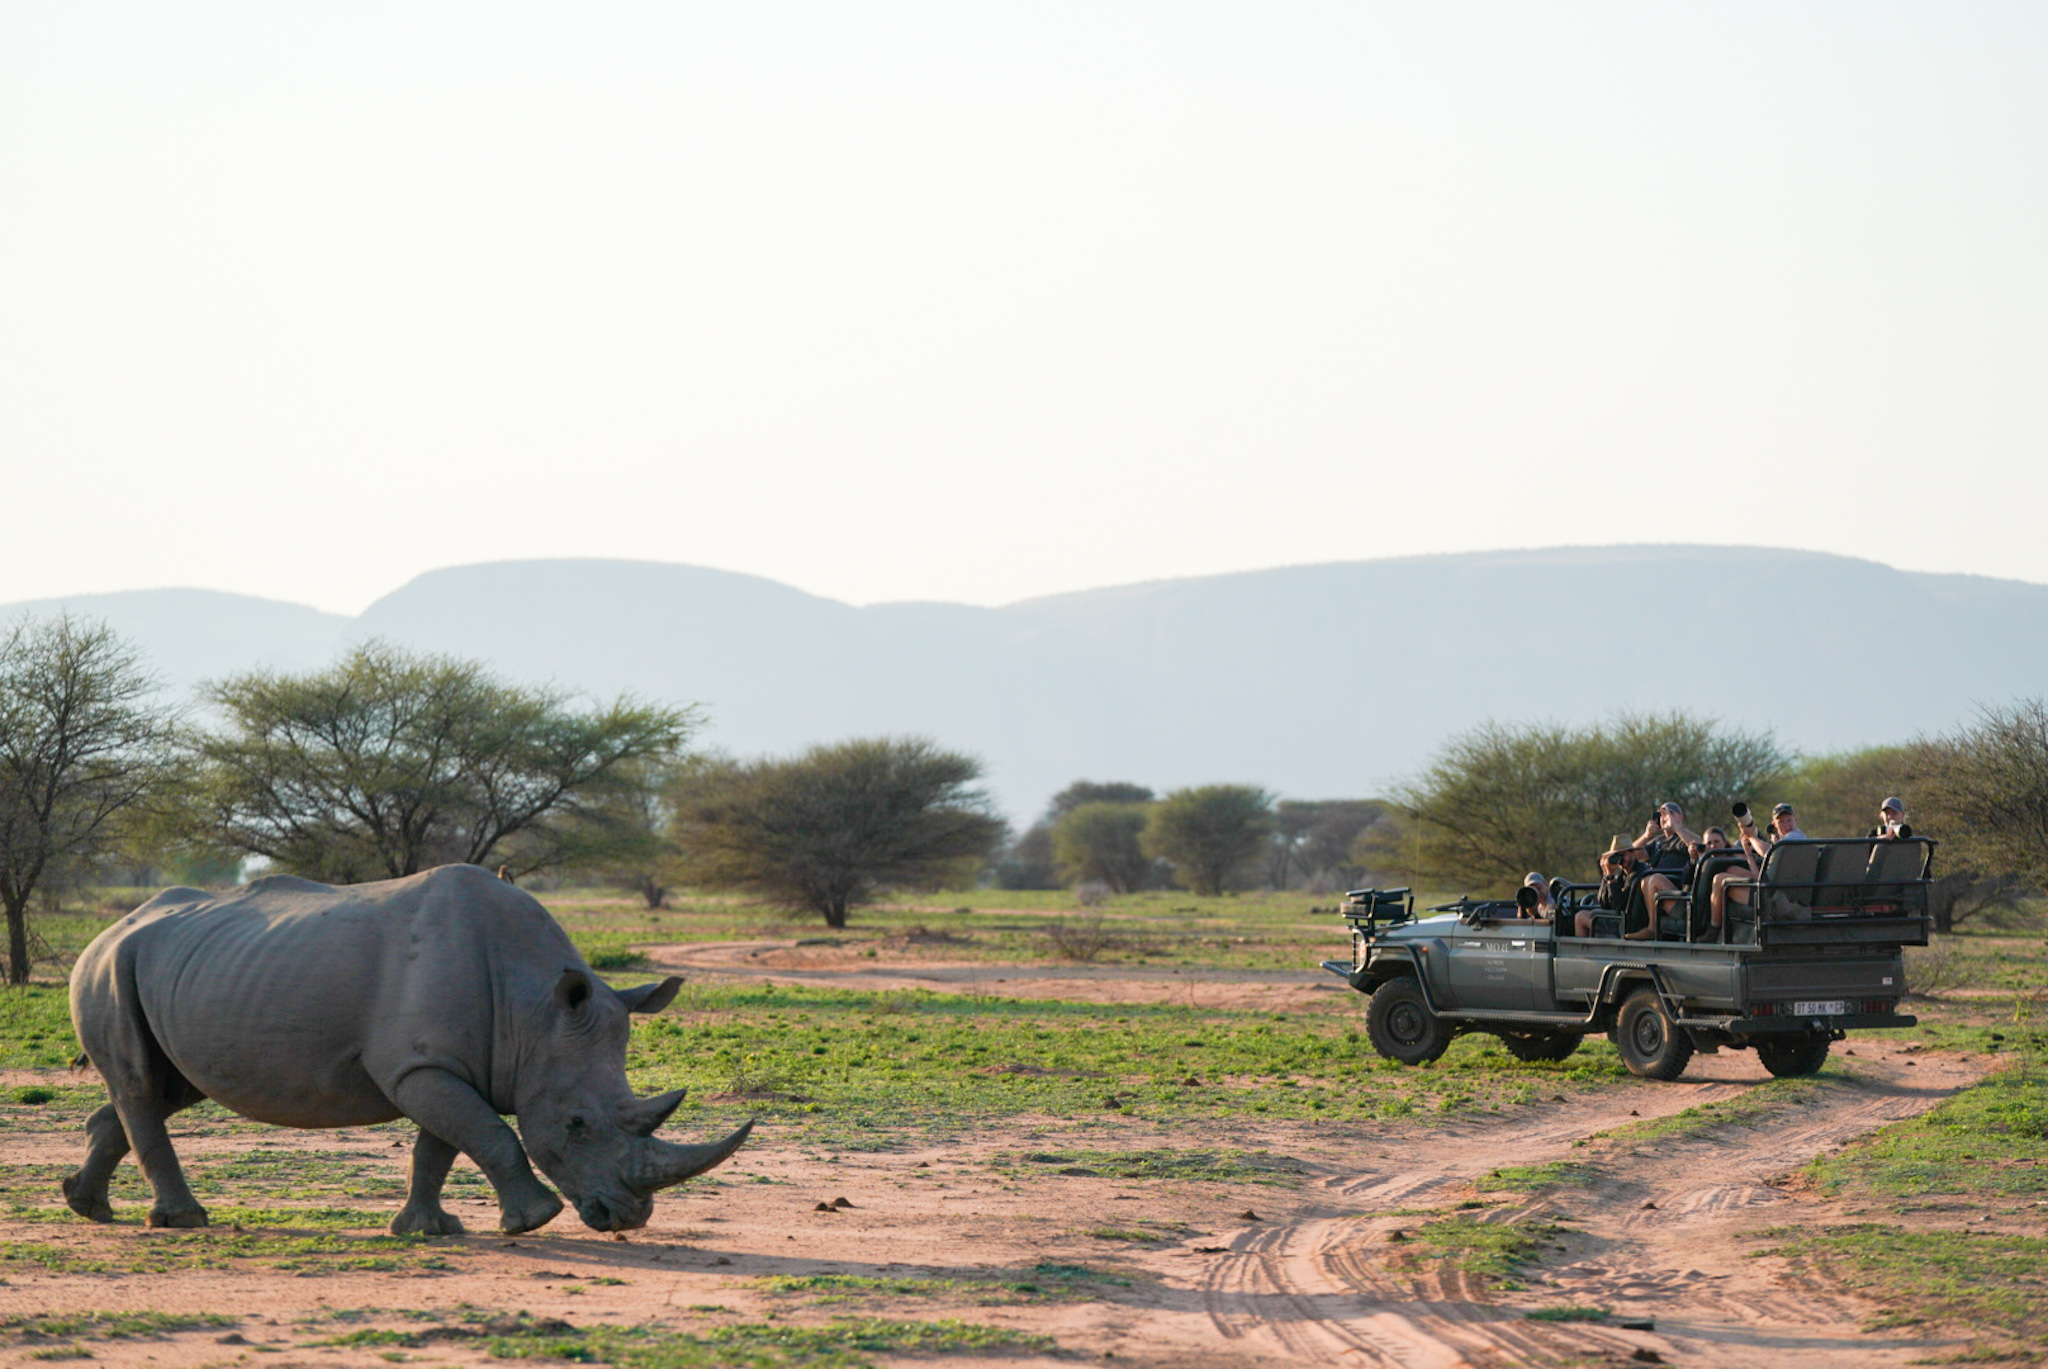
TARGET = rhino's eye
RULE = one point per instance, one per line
(576, 1123)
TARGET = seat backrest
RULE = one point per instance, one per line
(1793, 864)
(1842, 863)
(1897, 862)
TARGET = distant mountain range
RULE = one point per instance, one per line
(1315, 681)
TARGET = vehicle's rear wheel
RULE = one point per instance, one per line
(1790, 1059)
(1539, 1045)
(1401, 1025)
(1651, 1044)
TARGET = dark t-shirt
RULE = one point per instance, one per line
(1668, 853)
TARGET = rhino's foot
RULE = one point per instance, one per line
(194, 1215)
(525, 1215)
(422, 1220)
(92, 1206)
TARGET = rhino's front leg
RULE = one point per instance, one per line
(446, 1107)
(423, 1214)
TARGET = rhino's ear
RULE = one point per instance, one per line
(651, 997)
(572, 990)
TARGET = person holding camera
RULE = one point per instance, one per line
(1891, 821)
(1669, 855)
(1730, 886)
(1618, 866)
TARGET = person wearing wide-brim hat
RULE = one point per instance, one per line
(1617, 867)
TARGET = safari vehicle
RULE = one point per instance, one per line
(1816, 953)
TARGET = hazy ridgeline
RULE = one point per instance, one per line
(1317, 681)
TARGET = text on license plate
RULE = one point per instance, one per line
(1826, 1007)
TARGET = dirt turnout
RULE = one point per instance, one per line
(1234, 1273)
(792, 963)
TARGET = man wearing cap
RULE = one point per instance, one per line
(1891, 821)
(1728, 885)
(1542, 910)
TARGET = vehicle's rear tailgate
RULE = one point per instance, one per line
(1794, 979)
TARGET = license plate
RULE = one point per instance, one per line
(1826, 1007)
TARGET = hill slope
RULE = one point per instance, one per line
(1313, 680)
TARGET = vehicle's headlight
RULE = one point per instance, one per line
(1357, 949)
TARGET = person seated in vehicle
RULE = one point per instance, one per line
(1542, 910)
(1730, 885)
(1618, 867)
(1891, 821)
(1668, 855)
(1712, 843)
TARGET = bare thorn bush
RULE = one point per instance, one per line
(1936, 968)
(1081, 938)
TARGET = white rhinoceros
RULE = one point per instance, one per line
(450, 997)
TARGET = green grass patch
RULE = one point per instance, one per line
(1568, 1312)
(843, 1343)
(1989, 1142)
(109, 1325)
(35, 1028)
(1536, 1178)
(1976, 1279)
(856, 1070)
(1214, 1166)
(1491, 1250)
(827, 1289)
(222, 1247)
(1755, 1105)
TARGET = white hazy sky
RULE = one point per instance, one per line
(981, 301)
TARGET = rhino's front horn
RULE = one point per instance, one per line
(644, 1116)
(661, 1163)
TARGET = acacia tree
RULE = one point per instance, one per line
(623, 833)
(1209, 831)
(1103, 841)
(1838, 795)
(1313, 838)
(830, 829)
(388, 763)
(1984, 789)
(81, 744)
(1506, 798)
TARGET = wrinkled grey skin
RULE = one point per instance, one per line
(451, 998)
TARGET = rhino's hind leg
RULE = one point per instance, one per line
(107, 1141)
(175, 1205)
(446, 1107)
(423, 1214)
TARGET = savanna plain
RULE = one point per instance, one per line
(997, 1127)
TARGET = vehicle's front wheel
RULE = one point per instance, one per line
(1539, 1045)
(1790, 1059)
(1401, 1025)
(1651, 1044)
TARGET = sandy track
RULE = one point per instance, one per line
(1658, 1243)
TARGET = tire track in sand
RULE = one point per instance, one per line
(1653, 1237)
